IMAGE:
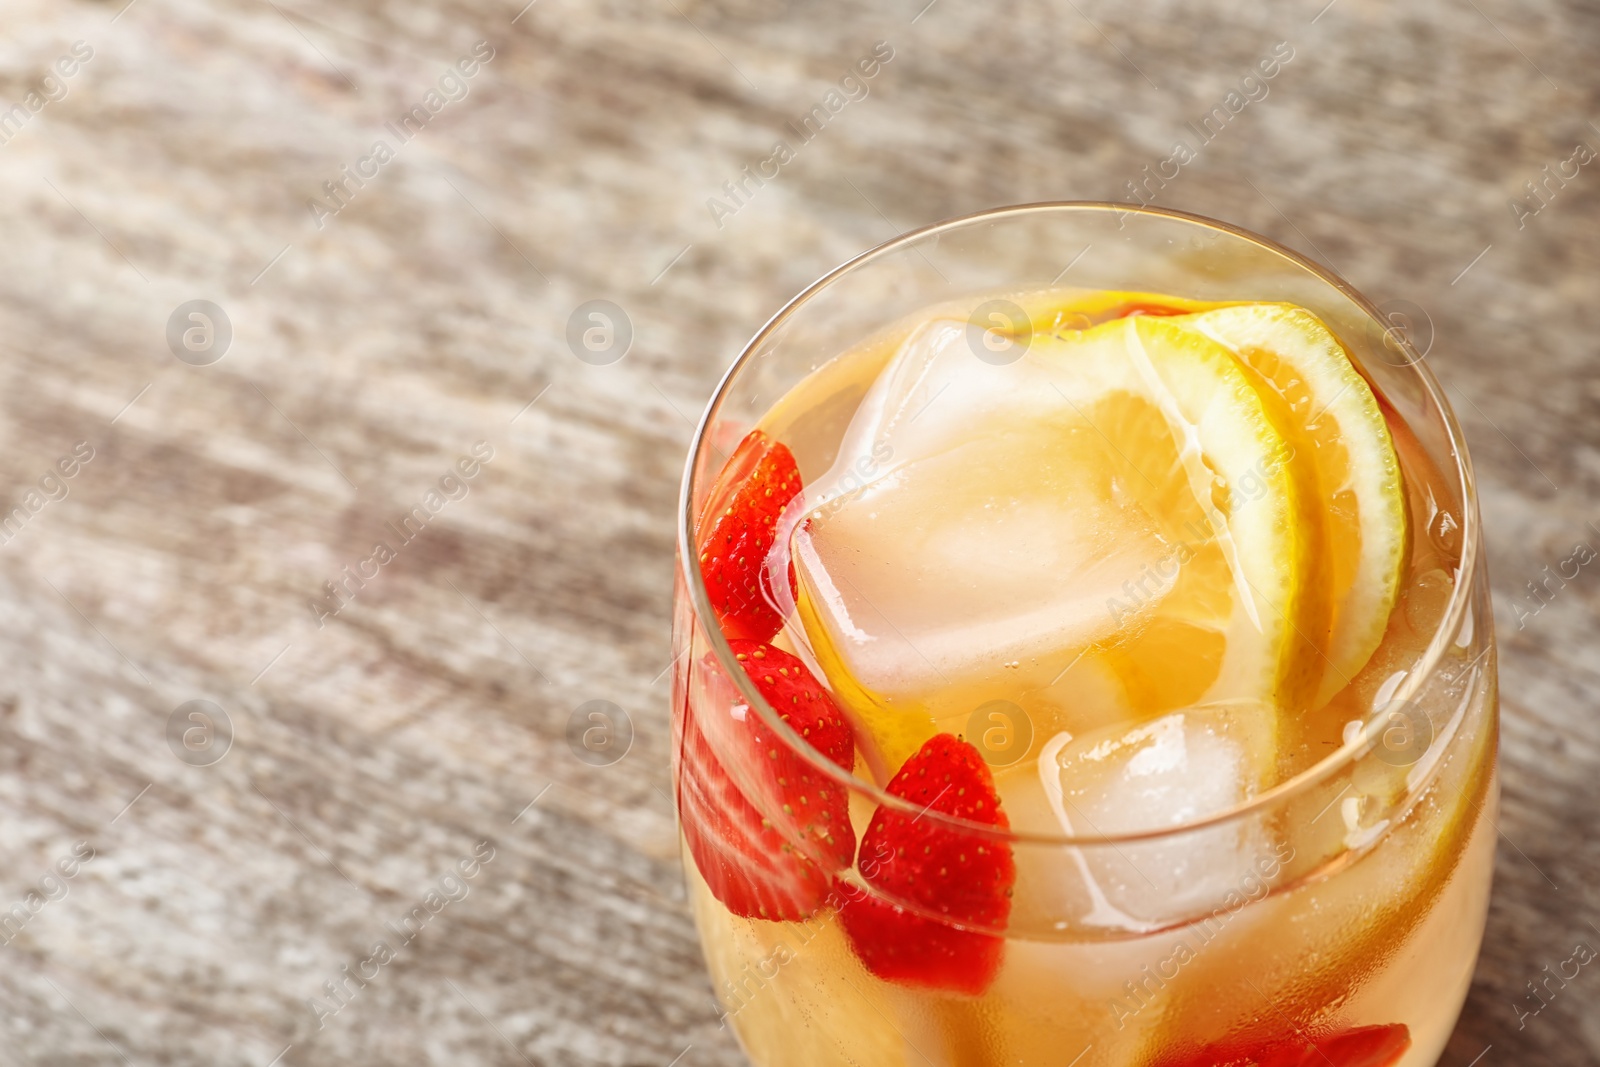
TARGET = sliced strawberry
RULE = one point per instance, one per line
(1147, 309)
(767, 830)
(1366, 1046)
(962, 877)
(736, 533)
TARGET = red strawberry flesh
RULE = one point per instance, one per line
(737, 531)
(767, 829)
(962, 877)
(1147, 309)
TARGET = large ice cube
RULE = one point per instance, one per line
(988, 544)
(1174, 770)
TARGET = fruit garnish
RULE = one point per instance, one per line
(961, 877)
(1339, 430)
(767, 830)
(1050, 313)
(737, 532)
(1149, 309)
(892, 733)
(1072, 517)
(1367, 1046)
(1188, 433)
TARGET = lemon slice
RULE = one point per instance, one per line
(1337, 429)
(895, 729)
(1066, 517)
(1187, 426)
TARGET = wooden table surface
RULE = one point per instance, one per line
(360, 350)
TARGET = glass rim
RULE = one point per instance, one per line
(1348, 753)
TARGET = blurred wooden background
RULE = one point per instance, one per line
(170, 157)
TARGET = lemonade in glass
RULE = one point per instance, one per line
(1084, 658)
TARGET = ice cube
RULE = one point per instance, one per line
(982, 553)
(1176, 769)
(1055, 888)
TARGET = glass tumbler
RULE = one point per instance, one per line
(1337, 915)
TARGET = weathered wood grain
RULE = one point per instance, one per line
(376, 750)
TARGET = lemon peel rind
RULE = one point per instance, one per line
(1338, 391)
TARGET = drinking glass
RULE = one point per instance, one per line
(1332, 918)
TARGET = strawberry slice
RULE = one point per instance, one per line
(1141, 308)
(962, 877)
(1366, 1046)
(767, 830)
(737, 531)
